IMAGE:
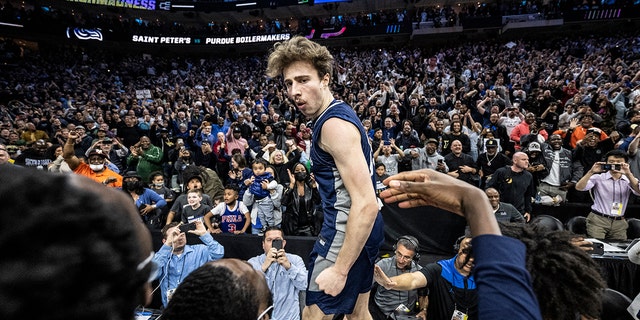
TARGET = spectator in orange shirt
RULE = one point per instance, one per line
(96, 169)
(578, 132)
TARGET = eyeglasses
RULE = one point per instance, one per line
(153, 265)
(265, 312)
(400, 256)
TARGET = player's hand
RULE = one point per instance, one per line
(331, 281)
(382, 279)
(425, 187)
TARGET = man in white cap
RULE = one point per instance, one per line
(94, 168)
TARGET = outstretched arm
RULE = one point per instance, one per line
(404, 282)
(430, 188)
(68, 152)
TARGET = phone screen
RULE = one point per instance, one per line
(277, 244)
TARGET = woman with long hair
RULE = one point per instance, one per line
(301, 199)
(239, 173)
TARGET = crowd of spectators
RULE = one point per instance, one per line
(221, 114)
(218, 137)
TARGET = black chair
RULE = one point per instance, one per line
(547, 223)
(614, 305)
(634, 228)
(577, 225)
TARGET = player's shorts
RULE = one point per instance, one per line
(359, 280)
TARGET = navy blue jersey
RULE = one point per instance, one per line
(336, 202)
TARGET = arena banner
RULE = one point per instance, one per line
(130, 4)
(210, 41)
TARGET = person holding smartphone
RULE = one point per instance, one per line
(611, 183)
(176, 259)
(285, 273)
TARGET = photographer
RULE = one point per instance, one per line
(285, 273)
(176, 259)
(611, 183)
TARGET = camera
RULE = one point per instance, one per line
(277, 244)
(608, 166)
(186, 227)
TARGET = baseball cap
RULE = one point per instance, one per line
(81, 127)
(195, 176)
(534, 146)
(595, 130)
(237, 129)
(491, 143)
(131, 174)
(432, 140)
(107, 140)
(98, 152)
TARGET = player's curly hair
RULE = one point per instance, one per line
(67, 253)
(215, 292)
(565, 279)
(297, 49)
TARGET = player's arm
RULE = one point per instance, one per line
(430, 188)
(340, 139)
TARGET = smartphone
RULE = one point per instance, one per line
(277, 244)
(608, 166)
(440, 160)
(598, 248)
(186, 227)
